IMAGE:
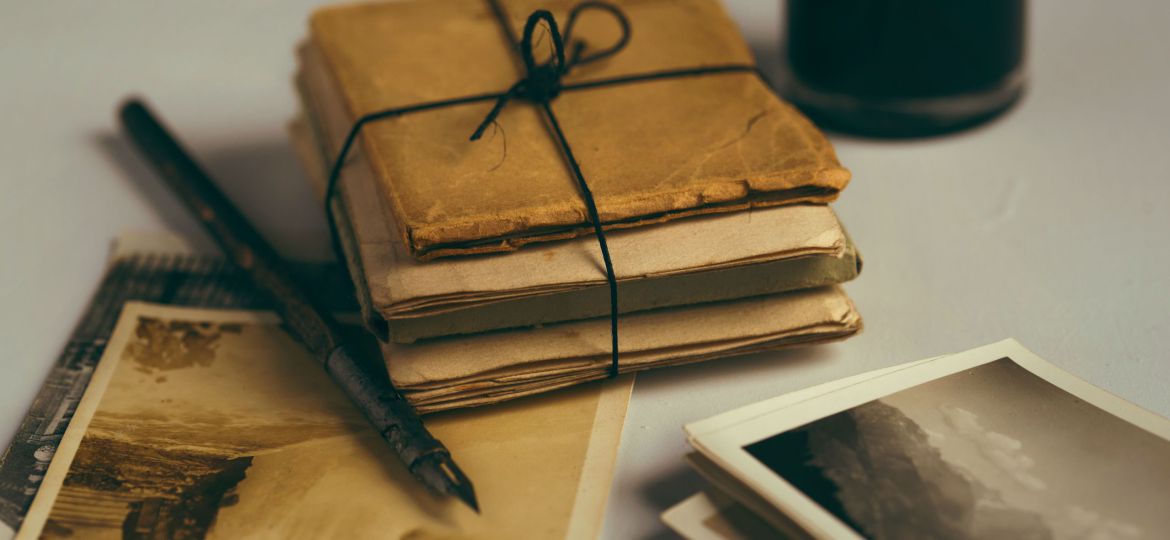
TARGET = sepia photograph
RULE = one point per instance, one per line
(206, 423)
(994, 450)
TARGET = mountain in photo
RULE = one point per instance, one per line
(874, 469)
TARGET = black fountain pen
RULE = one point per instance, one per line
(394, 419)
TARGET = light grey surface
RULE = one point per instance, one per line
(1049, 225)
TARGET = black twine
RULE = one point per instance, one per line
(540, 85)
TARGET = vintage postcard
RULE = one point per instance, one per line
(216, 424)
(151, 267)
(990, 443)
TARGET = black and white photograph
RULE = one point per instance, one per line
(995, 451)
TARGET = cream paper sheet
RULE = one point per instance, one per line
(217, 421)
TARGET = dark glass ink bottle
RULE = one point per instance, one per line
(903, 68)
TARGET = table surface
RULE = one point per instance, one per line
(1047, 225)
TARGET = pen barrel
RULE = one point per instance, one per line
(390, 414)
(227, 226)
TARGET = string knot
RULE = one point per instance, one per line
(542, 81)
(541, 85)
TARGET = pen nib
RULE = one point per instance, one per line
(440, 473)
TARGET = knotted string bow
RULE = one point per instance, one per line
(540, 85)
(542, 82)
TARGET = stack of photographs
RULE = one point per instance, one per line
(990, 443)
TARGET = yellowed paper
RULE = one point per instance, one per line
(490, 367)
(474, 370)
(651, 151)
(471, 370)
(218, 423)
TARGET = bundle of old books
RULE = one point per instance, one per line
(476, 261)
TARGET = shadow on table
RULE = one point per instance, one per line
(737, 369)
(674, 487)
(262, 178)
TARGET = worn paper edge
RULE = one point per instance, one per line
(596, 480)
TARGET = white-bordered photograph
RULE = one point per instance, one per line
(991, 443)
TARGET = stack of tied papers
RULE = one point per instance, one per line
(475, 261)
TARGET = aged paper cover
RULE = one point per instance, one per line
(217, 423)
(650, 151)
